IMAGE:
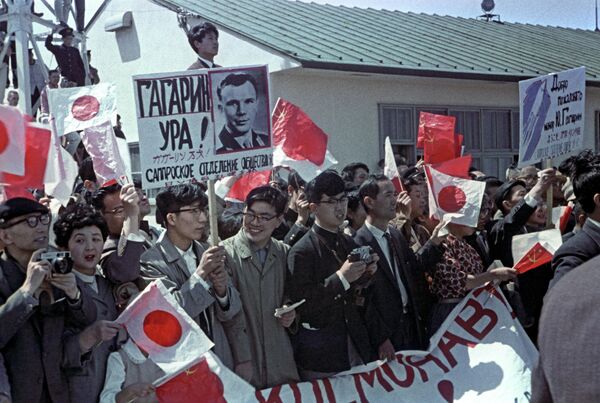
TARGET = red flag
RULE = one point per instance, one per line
(299, 137)
(196, 384)
(242, 185)
(458, 142)
(37, 144)
(458, 167)
(535, 257)
(436, 123)
(390, 169)
(561, 215)
(534, 249)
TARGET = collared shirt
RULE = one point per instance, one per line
(207, 62)
(88, 280)
(385, 247)
(596, 223)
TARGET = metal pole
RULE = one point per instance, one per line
(19, 22)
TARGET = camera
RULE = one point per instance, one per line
(61, 262)
(362, 253)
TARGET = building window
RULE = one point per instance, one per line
(490, 134)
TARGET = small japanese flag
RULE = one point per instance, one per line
(160, 327)
(390, 169)
(534, 249)
(454, 199)
(12, 141)
(78, 108)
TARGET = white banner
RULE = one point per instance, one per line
(480, 354)
(552, 111)
(203, 124)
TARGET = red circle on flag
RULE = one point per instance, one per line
(452, 199)
(4, 139)
(162, 328)
(85, 107)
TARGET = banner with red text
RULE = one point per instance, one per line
(480, 354)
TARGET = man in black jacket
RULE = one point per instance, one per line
(585, 244)
(396, 309)
(333, 336)
(67, 56)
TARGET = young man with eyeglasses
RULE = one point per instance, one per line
(35, 305)
(120, 207)
(257, 264)
(195, 273)
(332, 336)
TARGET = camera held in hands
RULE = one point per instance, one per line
(60, 262)
(362, 253)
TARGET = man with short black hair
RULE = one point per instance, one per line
(36, 303)
(333, 336)
(397, 303)
(238, 102)
(195, 273)
(256, 261)
(356, 172)
(204, 39)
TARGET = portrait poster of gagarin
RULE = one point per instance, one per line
(241, 109)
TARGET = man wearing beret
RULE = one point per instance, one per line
(67, 56)
(35, 305)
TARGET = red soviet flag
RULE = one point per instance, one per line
(196, 384)
(437, 138)
(534, 249)
(299, 137)
(37, 145)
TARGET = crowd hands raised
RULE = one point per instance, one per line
(291, 240)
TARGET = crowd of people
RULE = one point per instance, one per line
(287, 243)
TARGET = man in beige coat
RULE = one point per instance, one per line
(257, 265)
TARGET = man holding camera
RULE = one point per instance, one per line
(332, 336)
(396, 310)
(36, 302)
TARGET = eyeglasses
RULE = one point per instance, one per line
(116, 211)
(196, 211)
(249, 217)
(335, 202)
(32, 221)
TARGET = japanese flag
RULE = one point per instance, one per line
(561, 215)
(299, 143)
(160, 327)
(78, 108)
(535, 249)
(12, 141)
(390, 169)
(454, 199)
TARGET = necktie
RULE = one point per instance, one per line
(394, 265)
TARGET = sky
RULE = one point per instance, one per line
(564, 13)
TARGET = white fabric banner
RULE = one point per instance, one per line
(480, 354)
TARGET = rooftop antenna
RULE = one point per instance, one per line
(487, 6)
(597, 29)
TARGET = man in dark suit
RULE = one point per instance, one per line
(567, 342)
(67, 56)
(238, 102)
(396, 309)
(36, 304)
(204, 39)
(332, 336)
(585, 244)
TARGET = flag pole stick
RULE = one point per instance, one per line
(212, 213)
(549, 197)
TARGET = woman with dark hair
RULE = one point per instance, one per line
(81, 230)
(459, 271)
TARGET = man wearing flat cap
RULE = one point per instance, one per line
(35, 305)
(204, 39)
(67, 56)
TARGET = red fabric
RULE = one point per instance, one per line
(247, 182)
(397, 184)
(458, 167)
(458, 142)
(37, 145)
(536, 257)
(439, 123)
(299, 137)
(564, 218)
(196, 384)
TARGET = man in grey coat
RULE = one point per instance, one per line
(195, 273)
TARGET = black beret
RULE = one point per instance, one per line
(19, 206)
(66, 32)
(503, 191)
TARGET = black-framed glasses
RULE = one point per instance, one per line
(32, 221)
(335, 202)
(250, 216)
(196, 211)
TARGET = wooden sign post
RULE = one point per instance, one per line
(549, 197)
(212, 213)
